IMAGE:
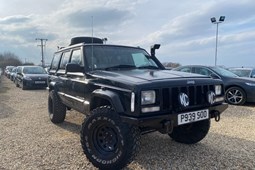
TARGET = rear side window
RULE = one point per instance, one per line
(186, 69)
(202, 71)
(76, 57)
(64, 60)
(55, 61)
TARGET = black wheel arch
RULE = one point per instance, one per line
(53, 86)
(230, 86)
(102, 97)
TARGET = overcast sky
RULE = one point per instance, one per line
(183, 28)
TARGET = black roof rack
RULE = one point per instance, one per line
(86, 40)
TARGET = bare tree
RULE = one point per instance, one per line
(171, 65)
(9, 59)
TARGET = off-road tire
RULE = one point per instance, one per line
(107, 142)
(191, 133)
(235, 96)
(56, 109)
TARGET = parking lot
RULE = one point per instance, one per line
(28, 140)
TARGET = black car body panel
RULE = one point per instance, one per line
(126, 92)
(81, 90)
(247, 84)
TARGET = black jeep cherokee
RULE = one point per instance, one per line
(126, 92)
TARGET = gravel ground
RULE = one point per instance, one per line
(28, 140)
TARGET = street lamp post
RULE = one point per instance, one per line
(214, 21)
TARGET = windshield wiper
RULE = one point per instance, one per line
(120, 67)
(148, 67)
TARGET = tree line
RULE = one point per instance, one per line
(10, 59)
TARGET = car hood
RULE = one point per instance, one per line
(245, 79)
(139, 76)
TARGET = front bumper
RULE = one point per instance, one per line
(158, 120)
(34, 84)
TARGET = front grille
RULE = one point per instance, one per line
(196, 94)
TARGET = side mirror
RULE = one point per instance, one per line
(153, 48)
(71, 67)
(253, 76)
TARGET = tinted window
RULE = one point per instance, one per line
(34, 70)
(64, 60)
(76, 57)
(223, 72)
(203, 71)
(55, 61)
(253, 73)
(186, 69)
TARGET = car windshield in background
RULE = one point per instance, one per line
(241, 72)
(34, 70)
(224, 72)
(115, 57)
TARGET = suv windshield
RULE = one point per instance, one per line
(224, 72)
(116, 57)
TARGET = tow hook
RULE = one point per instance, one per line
(169, 126)
(217, 116)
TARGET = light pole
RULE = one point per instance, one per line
(214, 21)
(43, 44)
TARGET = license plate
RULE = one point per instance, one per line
(193, 116)
(39, 82)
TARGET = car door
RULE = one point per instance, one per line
(62, 78)
(76, 82)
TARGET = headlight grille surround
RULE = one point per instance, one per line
(148, 97)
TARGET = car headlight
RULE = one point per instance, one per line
(148, 97)
(218, 89)
(27, 78)
(250, 84)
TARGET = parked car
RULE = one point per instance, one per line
(7, 71)
(243, 71)
(13, 73)
(238, 90)
(31, 77)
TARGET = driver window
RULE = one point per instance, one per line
(203, 71)
(64, 60)
(76, 57)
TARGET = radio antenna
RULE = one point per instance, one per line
(92, 50)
